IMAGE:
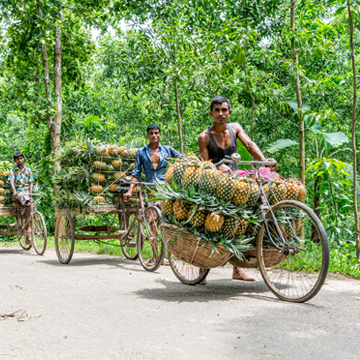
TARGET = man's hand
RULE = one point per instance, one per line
(14, 194)
(272, 167)
(224, 168)
(127, 196)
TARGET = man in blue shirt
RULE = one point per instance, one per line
(153, 158)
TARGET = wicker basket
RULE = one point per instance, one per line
(188, 247)
(272, 257)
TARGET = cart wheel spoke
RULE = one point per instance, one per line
(38, 233)
(299, 275)
(150, 246)
(64, 237)
(128, 242)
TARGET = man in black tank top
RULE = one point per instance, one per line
(220, 139)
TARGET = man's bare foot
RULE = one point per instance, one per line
(239, 274)
(166, 262)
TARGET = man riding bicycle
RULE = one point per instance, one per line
(219, 140)
(21, 182)
(154, 159)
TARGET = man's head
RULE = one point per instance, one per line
(19, 158)
(220, 109)
(153, 133)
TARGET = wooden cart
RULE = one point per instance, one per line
(132, 224)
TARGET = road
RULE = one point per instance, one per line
(109, 308)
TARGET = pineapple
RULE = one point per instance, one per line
(198, 219)
(192, 175)
(242, 226)
(123, 151)
(214, 222)
(181, 209)
(266, 190)
(2, 205)
(179, 170)
(99, 199)
(1, 182)
(2, 191)
(99, 165)
(96, 188)
(302, 193)
(113, 187)
(132, 166)
(132, 153)
(292, 190)
(209, 178)
(113, 149)
(2, 198)
(226, 188)
(230, 226)
(102, 150)
(278, 189)
(166, 207)
(169, 174)
(136, 189)
(134, 200)
(254, 193)
(242, 192)
(117, 199)
(98, 177)
(119, 175)
(288, 229)
(116, 163)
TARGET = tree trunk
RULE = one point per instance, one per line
(298, 98)
(45, 62)
(55, 129)
(353, 133)
(178, 117)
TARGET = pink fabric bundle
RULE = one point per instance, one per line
(263, 172)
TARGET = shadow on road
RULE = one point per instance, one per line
(112, 262)
(5, 251)
(215, 290)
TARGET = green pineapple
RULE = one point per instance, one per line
(192, 175)
(242, 192)
(166, 207)
(230, 226)
(179, 170)
(198, 219)
(226, 188)
(278, 189)
(254, 193)
(209, 178)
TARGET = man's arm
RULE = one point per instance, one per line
(12, 185)
(251, 146)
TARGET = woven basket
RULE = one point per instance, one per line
(272, 257)
(188, 247)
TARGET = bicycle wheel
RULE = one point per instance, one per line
(188, 274)
(150, 246)
(21, 233)
(129, 242)
(296, 276)
(64, 237)
(38, 233)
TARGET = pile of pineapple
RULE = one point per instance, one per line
(5, 191)
(90, 172)
(204, 200)
(112, 164)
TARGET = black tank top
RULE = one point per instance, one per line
(217, 153)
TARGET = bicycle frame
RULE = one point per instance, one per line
(265, 205)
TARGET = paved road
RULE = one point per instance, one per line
(102, 307)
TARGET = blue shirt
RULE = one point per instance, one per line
(143, 161)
